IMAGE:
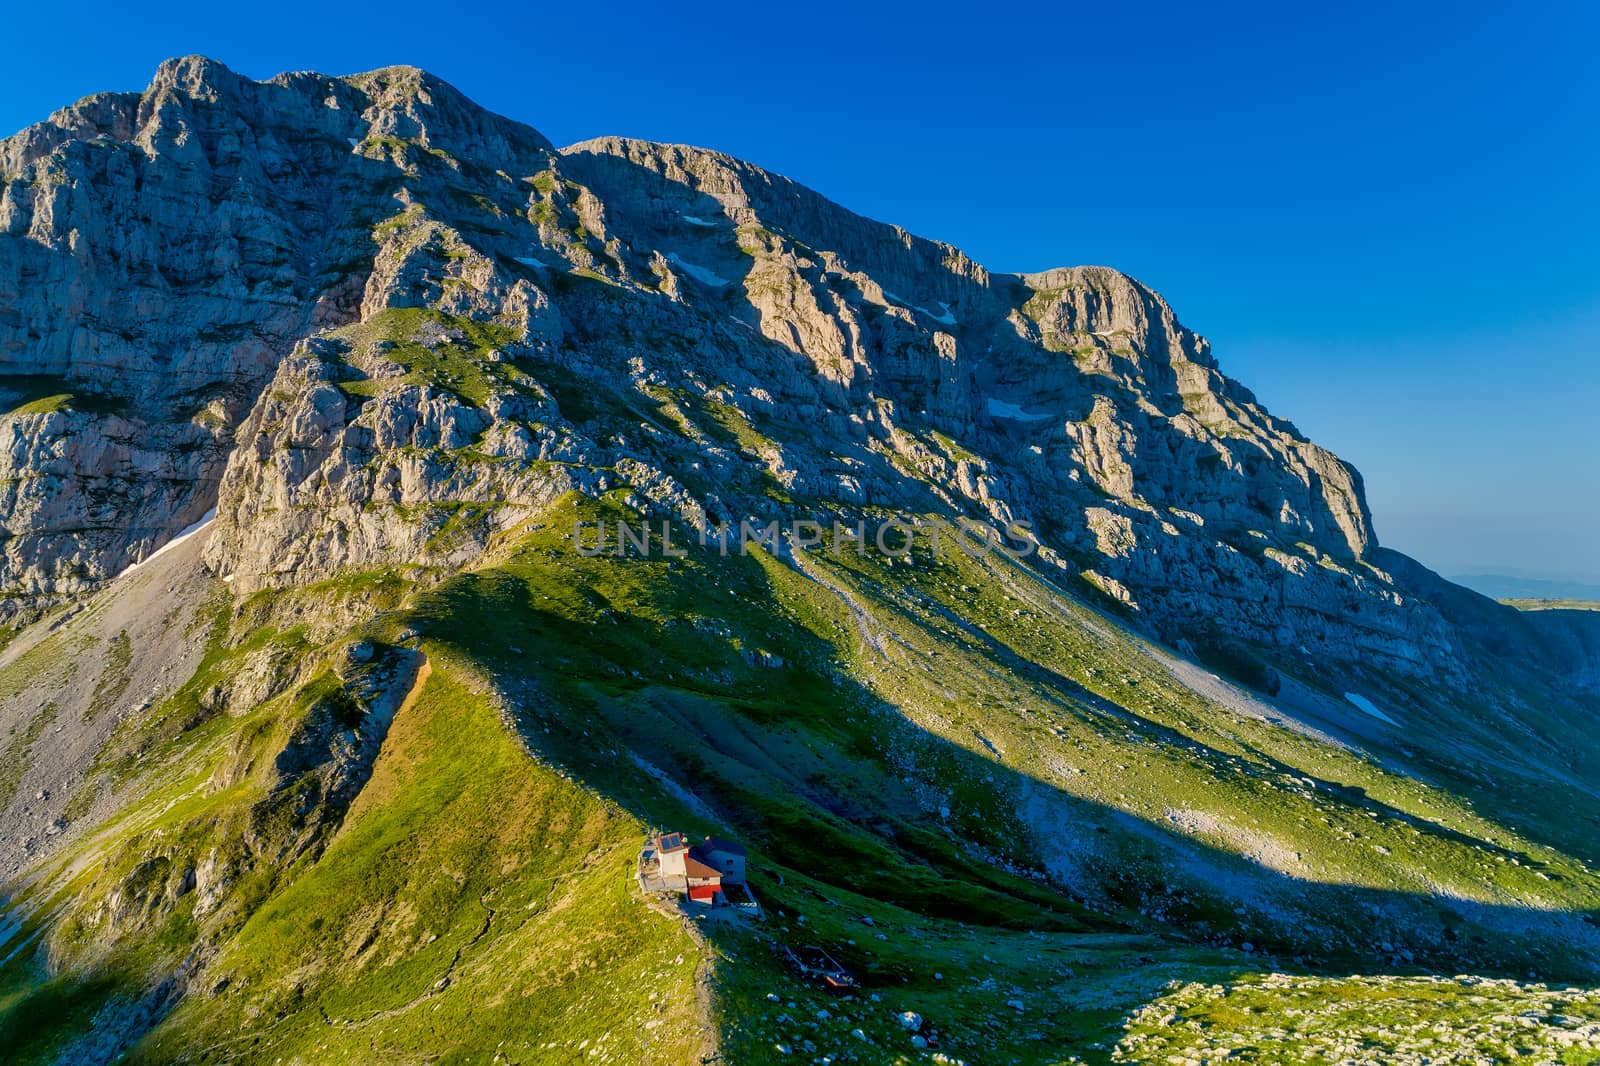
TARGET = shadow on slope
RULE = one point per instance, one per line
(740, 695)
(700, 693)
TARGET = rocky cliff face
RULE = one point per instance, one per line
(160, 253)
(371, 323)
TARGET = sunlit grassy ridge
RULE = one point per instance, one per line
(43, 394)
(1532, 604)
(471, 901)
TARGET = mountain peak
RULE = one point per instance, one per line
(398, 517)
(193, 73)
(304, 215)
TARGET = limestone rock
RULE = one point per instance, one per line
(374, 324)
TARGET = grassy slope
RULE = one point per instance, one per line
(1143, 743)
(472, 901)
(41, 394)
(461, 859)
(505, 876)
(1526, 604)
(653, 655)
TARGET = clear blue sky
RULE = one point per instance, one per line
(1384, 216)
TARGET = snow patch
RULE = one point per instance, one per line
(693, 221)
(698, 273)
(946, 319)
(183, 535)
(1361, 703)
(1001, 409)
(528, 261)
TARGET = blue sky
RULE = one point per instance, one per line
(1383, 216)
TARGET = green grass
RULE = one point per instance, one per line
(1552, 605)
(38, 394)
(36, 1009)
(1275, 1018)
(471, 901)
(932, 722)
(44, 405)
(446, 351)
(1181, 746)
(462, 857)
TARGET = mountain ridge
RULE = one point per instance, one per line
(363, 767)
(1087, 307)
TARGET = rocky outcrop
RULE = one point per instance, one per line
(327, 481)
(82, 494)
(329, 755)
(160, 252)
(412, 324)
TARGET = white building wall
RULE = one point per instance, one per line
(672, 862)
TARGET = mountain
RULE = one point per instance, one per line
(329, 735)
(1510, 587)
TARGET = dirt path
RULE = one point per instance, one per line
(863, 619)
(439, 985)
(704, 986)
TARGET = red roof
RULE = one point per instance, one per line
(695, 868)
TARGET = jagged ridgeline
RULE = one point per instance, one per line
(323, 738)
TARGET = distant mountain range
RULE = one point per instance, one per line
(1509, 587)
